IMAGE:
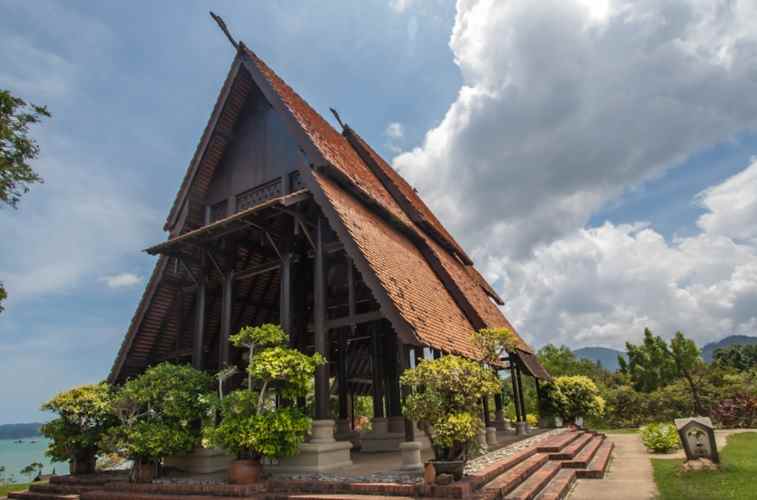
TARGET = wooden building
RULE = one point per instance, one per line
(280, 218)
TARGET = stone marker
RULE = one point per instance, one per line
(698, 438)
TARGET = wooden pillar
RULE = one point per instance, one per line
(485, 408)
(391, 373)
(179, 318)
(319, 324)
(516, 394)
(378, 403)
(226, 303)
(498, 402)
(538, 396)
(341, 375)
(522, 395)
(198, 340)
(406, 352)
(285, 295)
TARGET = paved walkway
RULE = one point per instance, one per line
(629, 476)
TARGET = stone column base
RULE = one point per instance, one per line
(521, 428)
(200, 461)
(322, 454)
(491, 436)
(482, 441)
(411, 456)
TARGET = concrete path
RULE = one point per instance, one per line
(629, 476)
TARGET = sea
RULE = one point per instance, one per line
(15, 454)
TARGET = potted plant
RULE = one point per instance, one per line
(574, 397)
(252, 425)
(446, 403)
(159, 414)
(84, 415)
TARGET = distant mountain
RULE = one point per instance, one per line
(17, 431)
(708, 351)
(606, 357)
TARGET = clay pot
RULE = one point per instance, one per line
(246, 471)
(143, 472)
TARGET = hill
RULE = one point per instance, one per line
(17, 431)
(708, 350)
(606, 357)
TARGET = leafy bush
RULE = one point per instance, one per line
(660, 437)
(84, 415)
(574, 396)
(447, 401)
(532, 420)
(251, 425)
(160, 412)
(739, 411)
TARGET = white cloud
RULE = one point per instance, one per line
(400, 6)
(123, 280)
(394, 130)
(603, 285)
(567, 103)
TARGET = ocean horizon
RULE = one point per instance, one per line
(15, 454)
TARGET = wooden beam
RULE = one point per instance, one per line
(354, 320)
(319, 322)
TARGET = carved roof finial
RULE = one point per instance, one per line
(222, 25)
(336, 115)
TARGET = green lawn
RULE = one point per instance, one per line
(737, 479)
(7, 488)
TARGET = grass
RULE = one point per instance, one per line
(737, 479)
(7, 488)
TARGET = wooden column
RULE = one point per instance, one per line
(516, 394)
(522, 395)
(378, 403)
(198, 340)
(342, 360)
(485, 409)
(405, 355)
(285, 295)
(319, 324)
(226, 303)
(391, 373)
(538, 395)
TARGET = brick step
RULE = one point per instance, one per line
(311, 496)
(493, 470)
(528, 489)
(559, 487)
(557, 443)
(597, 467)
(570, 451)
(212, 489)
(98, 478)
(31, 495)
(513, 477)
(582, 460)
(61, 488)
(130, 495)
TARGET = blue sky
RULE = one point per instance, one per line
(515, 149)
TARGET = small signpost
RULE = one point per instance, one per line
(698, 438)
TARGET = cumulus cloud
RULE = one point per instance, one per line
(394, 130)
(603, 285)
(400, 6)
(567, 103)
(122, 280)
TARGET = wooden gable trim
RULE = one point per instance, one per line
(182, 195)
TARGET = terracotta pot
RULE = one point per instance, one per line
(245, 471)
(453, 467)
(143, 472)
(84, 465)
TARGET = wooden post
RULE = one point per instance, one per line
(198, 340)
(378, 403)
(285, 295)
(406, 352)
(390, 372)
(226, 302)
(516, 394)
(341, 375)
(485, 408)
(319, 324)
(522, 395)
(538, 396)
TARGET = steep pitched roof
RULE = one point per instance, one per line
(423, 279)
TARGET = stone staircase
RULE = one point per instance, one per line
(545, 471)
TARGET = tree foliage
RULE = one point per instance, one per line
(252, 426)
(446, 402)
(562, 361)
(495, 343)
(574, 396)
(85, 413)
(738, 357)
(649, 364)
(159, 413)
(17, 148)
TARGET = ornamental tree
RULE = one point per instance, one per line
(446, 402)
(85, 413)
(495, 343)
(572, 397)
(159, 413)
(252, 426)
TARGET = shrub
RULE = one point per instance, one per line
(576, 396)
(252, 426)
(660, 437)
(84, 415)
(532, 420)
(739, 411)
(159, 413)
(447, 401)
(624, 408)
